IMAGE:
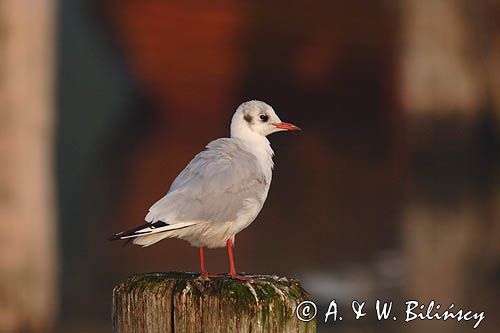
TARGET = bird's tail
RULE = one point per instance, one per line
(149, 233)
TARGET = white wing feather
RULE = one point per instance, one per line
(213, 186)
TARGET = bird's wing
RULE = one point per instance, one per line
(213, 186)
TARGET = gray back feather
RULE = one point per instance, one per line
(213, 186)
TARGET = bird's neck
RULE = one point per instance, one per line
(258, 145)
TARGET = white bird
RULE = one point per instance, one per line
(221, 191)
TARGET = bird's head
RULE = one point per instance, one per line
(259, 118)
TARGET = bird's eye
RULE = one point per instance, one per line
(264, 117)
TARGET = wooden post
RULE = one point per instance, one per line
(181, 302)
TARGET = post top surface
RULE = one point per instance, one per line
(263, 288)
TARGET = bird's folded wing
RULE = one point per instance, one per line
(213, 186)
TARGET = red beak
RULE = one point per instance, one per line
(287, 126)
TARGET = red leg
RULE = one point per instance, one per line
(204, 273)
(202, 261)
(232, 272)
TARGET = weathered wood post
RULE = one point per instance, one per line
(181, 302)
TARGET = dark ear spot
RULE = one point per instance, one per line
(248, 118)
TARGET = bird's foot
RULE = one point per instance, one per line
(210, 276)
(235, 276)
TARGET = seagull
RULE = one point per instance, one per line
(221, 191)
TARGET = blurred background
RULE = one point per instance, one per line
(392, 190)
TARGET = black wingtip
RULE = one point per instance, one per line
(113, 237)
(133, 231)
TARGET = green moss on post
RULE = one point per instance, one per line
(181, 302)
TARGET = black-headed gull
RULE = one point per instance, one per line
(221, 191)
